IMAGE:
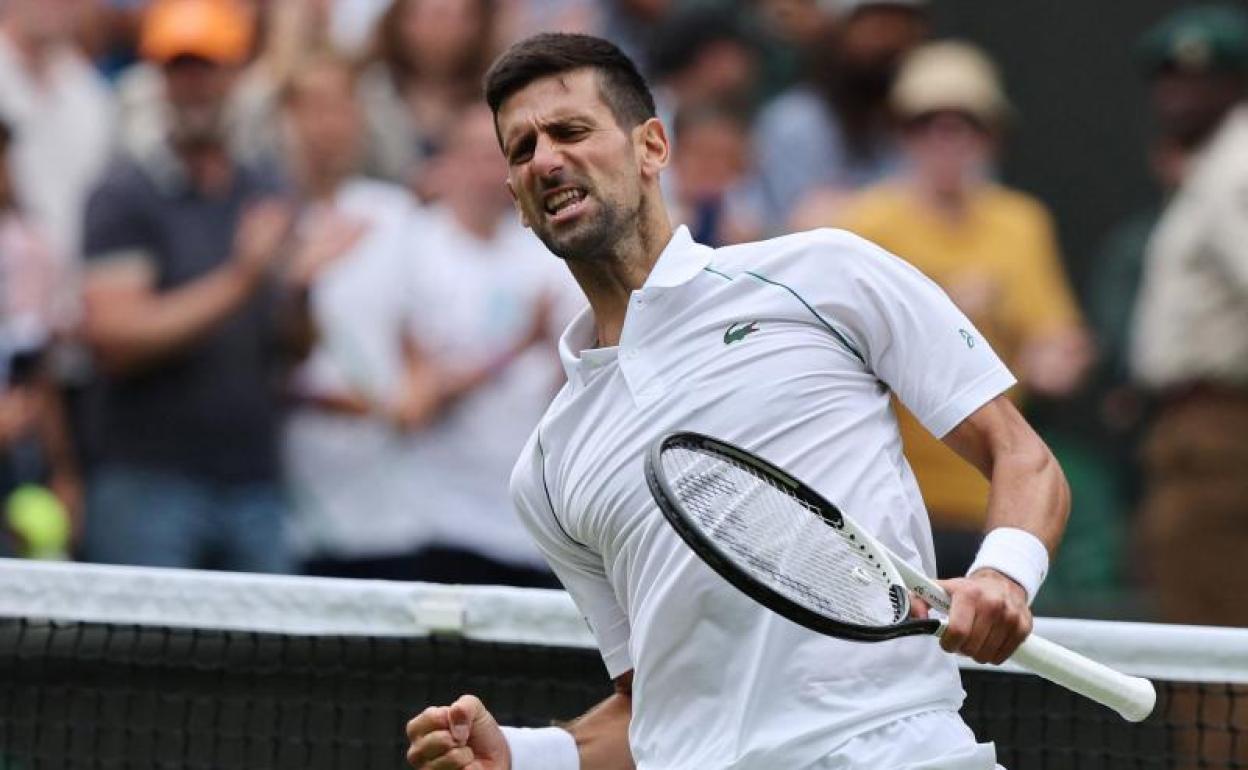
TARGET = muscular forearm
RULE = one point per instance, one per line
(127, 335)
(988, 615)
(1029, 491)
(1028, 488)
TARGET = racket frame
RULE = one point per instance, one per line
(715, 557)
(1132, 697)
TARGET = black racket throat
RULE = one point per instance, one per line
(711, 553)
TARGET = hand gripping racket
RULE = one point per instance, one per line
(778, 541)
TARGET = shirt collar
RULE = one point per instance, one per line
(681, 259)
(679, 262)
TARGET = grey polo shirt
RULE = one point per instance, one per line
(210, 412)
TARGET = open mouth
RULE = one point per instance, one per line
(563, 203)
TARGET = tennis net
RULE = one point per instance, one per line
(107, 667)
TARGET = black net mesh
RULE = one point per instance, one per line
(93, 695)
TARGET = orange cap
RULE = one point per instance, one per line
(217, 30)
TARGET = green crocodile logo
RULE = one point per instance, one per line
(739, 331)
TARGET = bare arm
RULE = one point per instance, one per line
(465, 735)
(129, 324)
(989, 616)
(1029, 490)
(602, 733)
(428, 388)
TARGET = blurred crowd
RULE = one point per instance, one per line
(265, 304)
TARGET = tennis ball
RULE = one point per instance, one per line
(38, 517)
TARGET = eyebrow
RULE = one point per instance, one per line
(557, 121)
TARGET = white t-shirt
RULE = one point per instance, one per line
(720, 682)
(345, 473)
(63, 137)
(471, 300)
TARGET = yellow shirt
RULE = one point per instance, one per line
(1000, 264)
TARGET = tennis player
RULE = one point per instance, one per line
(789, 347)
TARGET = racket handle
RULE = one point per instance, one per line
(1131, 696)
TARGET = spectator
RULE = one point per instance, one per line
(630, 23)
(180, 309)
(991, 248)
(711, 180)
(488, 301)
(428, 62)
(294, 29)
(1114, 284)
(1188, 348)
(792, 35)
(344, 453)
(829, 136)
(702, 58)
(35, 453)
(1109, 428)
(1120, 406)
(60, 113)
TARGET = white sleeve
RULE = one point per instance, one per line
(906, 331)
(1226, 208)
(579, 568)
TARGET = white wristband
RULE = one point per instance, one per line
(1017, 554)
(542, 748)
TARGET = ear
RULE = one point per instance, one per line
(653, 147)
(519, 209)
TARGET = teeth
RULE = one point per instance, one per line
(557, 202)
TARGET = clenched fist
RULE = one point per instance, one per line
(462, 736)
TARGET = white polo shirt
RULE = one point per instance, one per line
(833, 323)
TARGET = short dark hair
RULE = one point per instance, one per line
(621, 86)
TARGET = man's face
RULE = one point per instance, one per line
(196, 90)
(575, 173)
(325, 117)
(723, 73)
(1188, 106)
(470, 166)
(440, 35)
(948, 149)
(872, 44)
(714, 154)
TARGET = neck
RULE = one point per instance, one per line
(209, 168)
(608, 280)
(950, 202)
(320, 183)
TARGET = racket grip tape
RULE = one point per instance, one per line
(1131, 696)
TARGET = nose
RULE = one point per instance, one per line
(547, 157)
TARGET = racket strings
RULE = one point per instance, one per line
(780, 539)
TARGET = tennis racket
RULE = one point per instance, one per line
(787, 548)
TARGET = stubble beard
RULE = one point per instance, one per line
(594, 239)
